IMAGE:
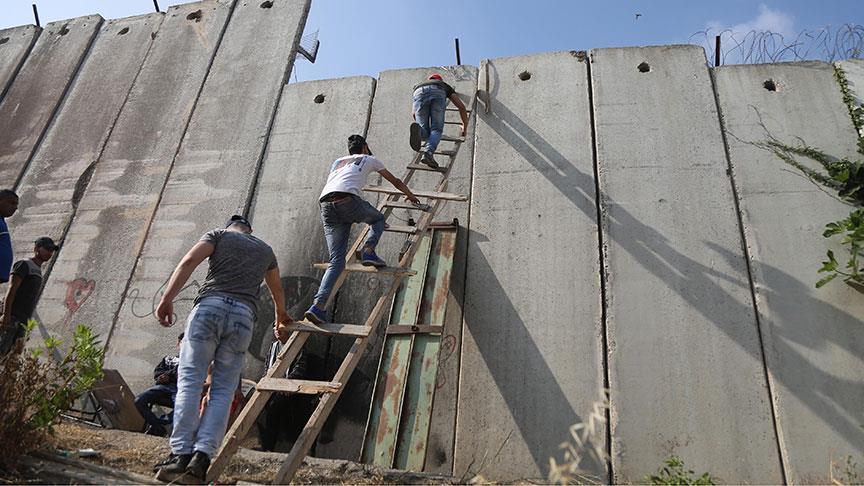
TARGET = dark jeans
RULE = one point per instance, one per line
(155, 395)
(286, 416)
(10, 335)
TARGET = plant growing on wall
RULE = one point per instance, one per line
(673, 472)
(844, 176)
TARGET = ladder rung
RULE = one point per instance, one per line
(401, 229)
(452, 123)
(412, 329)
(304, 387)
(330, 329)
(425, 167)
(401, 204)
(457, 109)
(448, 138)
(356, 267)
(427, 194)
(448, 153)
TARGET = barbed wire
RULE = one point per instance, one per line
(759, 47)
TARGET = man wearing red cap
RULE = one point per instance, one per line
(430, 101)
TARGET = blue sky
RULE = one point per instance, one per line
(365, 37)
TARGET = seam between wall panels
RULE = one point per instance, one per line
(769, 380)
(87, 175)
(140, 248)
(59, 105)
(17, 69)
(601, 247)
(285, 79)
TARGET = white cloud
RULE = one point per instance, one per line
(768, 19)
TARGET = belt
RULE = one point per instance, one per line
(336, 197)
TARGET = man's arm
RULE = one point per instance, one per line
(463, 112)
(274, 283)
(398, 184)
(165, 310)
(10, 299)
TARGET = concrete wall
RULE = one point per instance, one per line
(217, 162)
(685, 289)
(30, 102)
(532, 292)
(91, 273)
(812, 338)
(59, 168)
(15, 44)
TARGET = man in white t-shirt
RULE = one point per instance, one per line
(342, 206)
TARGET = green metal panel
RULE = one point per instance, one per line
(381, 432)
(422, 370)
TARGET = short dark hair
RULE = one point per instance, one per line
(356, 144)
(180, 337)
(8, 194)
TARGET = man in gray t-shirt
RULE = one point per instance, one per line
(218, 330)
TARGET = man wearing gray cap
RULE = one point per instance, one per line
(218, 330)
(23, 293)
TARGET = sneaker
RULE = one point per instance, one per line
(196, 471)
(415, 138)
(429, 160)
(368, 258)
(160, 465)
(175, 467)
(316, 315)
(157, 430)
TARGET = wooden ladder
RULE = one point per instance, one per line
(274, 381)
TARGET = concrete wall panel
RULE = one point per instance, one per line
(388, 140)
(59, 169)
(531, 350)
(15, 44)
(813, 342)
(685, 366)
(306, 138)
(87, 281)
(217, 162)
(29, 105)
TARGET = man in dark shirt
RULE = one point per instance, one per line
(8, 206)
(23, 293)
(430, 100)
(218, 330)
(162, 393)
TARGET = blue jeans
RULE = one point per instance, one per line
(429, 105)
(218, 330)
(155, 395)
(338, 218)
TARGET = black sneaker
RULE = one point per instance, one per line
(160, 465)
(196, 471)
(414, 139)
(429, 160)
(175, 467)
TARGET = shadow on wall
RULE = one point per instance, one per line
(694, 282)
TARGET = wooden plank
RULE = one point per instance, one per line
(397, 228)
(356, 267)
(447, 153)
(401, 204)
(385, 414)
(425, 194)
(329, 329)
(412, 444)
(426, 168)
(303, 387)
(448, 138)
(118, 402)
(414, 329)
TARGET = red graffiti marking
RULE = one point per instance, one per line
(77, 292)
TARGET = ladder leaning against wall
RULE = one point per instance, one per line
(329, 391)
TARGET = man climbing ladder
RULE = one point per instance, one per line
(342, 206)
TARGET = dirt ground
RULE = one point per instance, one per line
(137, 453)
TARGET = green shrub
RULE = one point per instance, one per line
(674, 473)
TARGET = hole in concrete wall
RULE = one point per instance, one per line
(319, 99)
(4, 40)
(266, 4)
(524, 75)
(196, 16)
(63, 30)
(770, 85)
(644, 67)
(123, 31)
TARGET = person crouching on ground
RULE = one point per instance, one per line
(342, 206)
(219, 329)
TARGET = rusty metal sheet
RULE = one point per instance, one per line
(384, 417)
(422, 370)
